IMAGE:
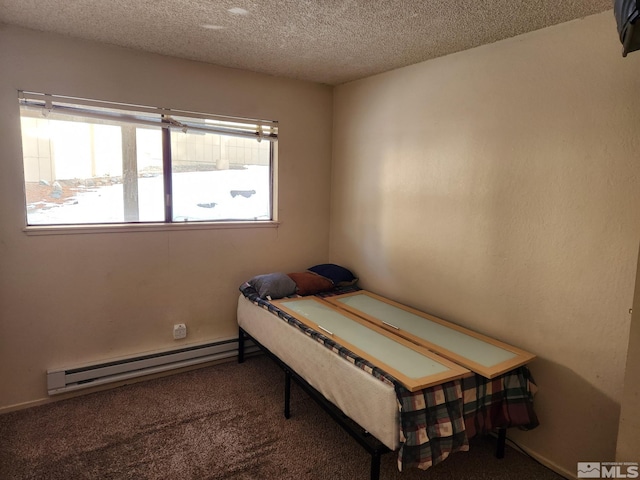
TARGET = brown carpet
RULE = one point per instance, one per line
(221, 422)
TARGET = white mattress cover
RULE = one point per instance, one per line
(365, 399)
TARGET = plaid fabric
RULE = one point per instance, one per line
(432, 425)
(438, 420)
(502, 402)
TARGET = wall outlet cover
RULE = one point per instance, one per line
(179, 331)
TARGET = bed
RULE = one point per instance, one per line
(423, 427)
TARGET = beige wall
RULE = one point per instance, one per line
(68, 299)
(495, 187)
(498, 188)
(629, 433)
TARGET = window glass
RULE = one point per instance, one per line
(81, 171)
(99, 165)
(220, 177)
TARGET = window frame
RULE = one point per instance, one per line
(264, 130)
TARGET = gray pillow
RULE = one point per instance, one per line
(273, 285)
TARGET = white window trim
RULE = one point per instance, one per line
(41, 230)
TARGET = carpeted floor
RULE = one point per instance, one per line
(221, 422)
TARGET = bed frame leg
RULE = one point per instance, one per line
(502, 440)
(375, 466)
(287, 394)
(240, 345)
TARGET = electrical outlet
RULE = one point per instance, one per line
(179, 331)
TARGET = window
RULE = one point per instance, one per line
(91, 162)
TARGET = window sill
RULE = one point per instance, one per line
(141, 227)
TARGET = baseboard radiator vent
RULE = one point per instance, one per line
(91, 375)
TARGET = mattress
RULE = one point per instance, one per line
(369, 401)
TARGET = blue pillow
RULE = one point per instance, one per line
(340, 276)
(273, 285)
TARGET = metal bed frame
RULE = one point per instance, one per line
(372, 445)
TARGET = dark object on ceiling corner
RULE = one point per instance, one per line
(626, 13)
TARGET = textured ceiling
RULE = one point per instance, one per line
(323, 41)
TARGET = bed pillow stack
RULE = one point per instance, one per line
(317, 279)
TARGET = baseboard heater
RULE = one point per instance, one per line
(91, 375)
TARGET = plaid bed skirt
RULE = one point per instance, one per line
(439, 420)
